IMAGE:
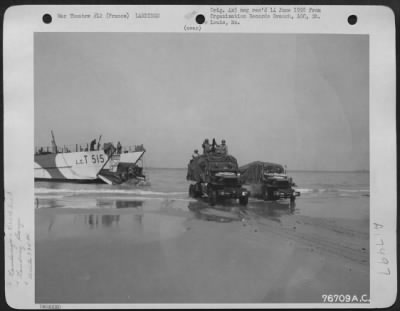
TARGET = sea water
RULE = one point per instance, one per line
(323, 194)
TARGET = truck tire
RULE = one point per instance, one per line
(212, 197)
(269, 195)
(197, 190)
(191, 191)
(244, 200)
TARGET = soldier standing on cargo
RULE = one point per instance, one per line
(214, 145)
(195, 154)
(223, 148)
(119, 148)
(206, 146)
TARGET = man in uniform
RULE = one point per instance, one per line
(206, 146)
(195, 154)
(92, 144)
(223, 148)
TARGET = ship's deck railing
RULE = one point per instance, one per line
(83, 147)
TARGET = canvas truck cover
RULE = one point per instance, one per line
(253, 172)
(201, 167)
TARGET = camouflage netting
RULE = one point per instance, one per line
(198, 167)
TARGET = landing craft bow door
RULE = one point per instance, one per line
(132, 157)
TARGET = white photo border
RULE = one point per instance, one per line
(20, 24)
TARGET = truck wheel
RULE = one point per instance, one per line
(269, 195)
(191, 191)
(197, 191)
(244, 200)
(212, 197)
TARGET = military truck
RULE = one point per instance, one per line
(268, 181)
(217, 177)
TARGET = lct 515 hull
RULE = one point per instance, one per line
(80, 166)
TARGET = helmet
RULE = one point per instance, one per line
(223, 141)
(195, 150)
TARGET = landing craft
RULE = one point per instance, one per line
(89, 165)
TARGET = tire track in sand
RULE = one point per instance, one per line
(313, 240)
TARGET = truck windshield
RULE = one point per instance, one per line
(222, 166)
(273, 169)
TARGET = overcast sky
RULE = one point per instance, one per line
(300, 100)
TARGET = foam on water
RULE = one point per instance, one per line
(304, 190)
(353, 190)
(335, 190)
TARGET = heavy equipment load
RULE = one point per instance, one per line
(217, 177)
(199, 168)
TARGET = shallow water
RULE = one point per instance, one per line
(323, 194)
(101, 243)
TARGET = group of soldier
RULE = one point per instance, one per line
(221, 149)
(93, 146)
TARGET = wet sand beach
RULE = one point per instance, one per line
(115, 248)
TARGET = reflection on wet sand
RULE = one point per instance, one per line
(117, 250)
(128, 204)
(228, 211)
(108, 220)
(135, 221)
(273, 210)
(119, 203)
(94, 220)
(51, 223)
(71, 202)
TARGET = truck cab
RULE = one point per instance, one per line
(217, 177)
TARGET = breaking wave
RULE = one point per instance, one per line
(305, 190)
(353, 190)
(335, 190)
